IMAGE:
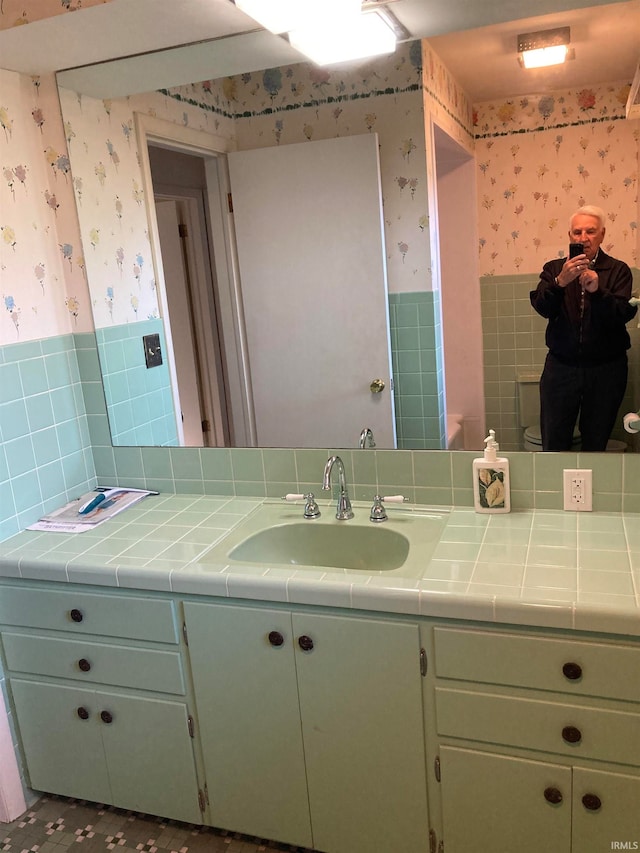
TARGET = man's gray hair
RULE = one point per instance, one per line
(589, 210)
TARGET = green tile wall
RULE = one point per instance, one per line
(45, 456)
(138, 398)
(56, 444)
(416, 352)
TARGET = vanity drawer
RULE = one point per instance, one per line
(101, 663)
(568, 666)
(132, 617)
(567, 729)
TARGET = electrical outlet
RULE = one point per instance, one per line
(577, 489)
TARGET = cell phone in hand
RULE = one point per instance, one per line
(575, 249)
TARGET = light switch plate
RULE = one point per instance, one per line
(152, 350)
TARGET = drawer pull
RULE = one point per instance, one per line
(305, 643)
(76, 615)
(592, 802)
(553, 795)
(570, 734)
(84, 665)
(83, 713)
(106, 716)
(572, 671)
(276, 638)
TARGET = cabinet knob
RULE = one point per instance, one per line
(84, 665)
(76, 615)
(592, 802)
(571, 734)
(553, 795)
(572, 671)
(82, 713)
(276, 638)
(305, 643)
(106, 716)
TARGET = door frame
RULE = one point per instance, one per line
(454, 241)
(213, 150)
(198, 296)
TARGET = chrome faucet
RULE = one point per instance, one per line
(366, 438)
(343, 510)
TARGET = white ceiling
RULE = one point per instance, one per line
(606, 39)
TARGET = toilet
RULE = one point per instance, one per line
(529, 416)
(529, 411)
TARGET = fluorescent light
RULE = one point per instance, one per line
(280, 16)
(543, 56)
(340, 41)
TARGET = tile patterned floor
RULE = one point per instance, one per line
(60, 825)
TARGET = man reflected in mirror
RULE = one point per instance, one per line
(585, 299)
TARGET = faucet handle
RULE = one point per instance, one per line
(311, 508)
(378, 512)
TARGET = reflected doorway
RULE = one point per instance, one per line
(179, 188)
(460, 288)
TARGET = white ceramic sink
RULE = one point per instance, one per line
(278, 535)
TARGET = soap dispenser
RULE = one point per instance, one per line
(491, 487)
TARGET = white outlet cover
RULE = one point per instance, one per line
(577, 489)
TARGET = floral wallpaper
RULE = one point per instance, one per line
(540, 158)
(107, 181)
(15, 13)
(381, 97)
(43, 289)
(444, 99)
(273, 107)
(389, 96)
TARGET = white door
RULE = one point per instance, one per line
(177, 294)
(309, 231)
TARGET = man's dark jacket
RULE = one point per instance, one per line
(586, 329)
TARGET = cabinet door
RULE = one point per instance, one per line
(361, 701)
(249, 720)
(613, 816)
(496, 802)
(149, 756)
(63, 750)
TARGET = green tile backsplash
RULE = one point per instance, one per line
(56, 444)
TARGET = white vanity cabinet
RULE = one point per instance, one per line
(99, 689)
(538, 741)
(311, 726)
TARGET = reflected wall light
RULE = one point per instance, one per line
(282, 16)
(547, 47)
(364, 35)
(328, 31)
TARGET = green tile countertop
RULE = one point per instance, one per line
(530, 567)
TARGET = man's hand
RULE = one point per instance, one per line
(589, 280)
(574, 267)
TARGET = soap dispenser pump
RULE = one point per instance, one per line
(491, 487)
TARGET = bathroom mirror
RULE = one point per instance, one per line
(344, 96)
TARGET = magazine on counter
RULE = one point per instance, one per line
(91, 509)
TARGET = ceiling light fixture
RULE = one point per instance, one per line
(548, 47)
(281, 16)
(358, 37)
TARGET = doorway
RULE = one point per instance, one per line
(460, 288)
(179, 189)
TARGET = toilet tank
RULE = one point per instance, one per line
(528, 384)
